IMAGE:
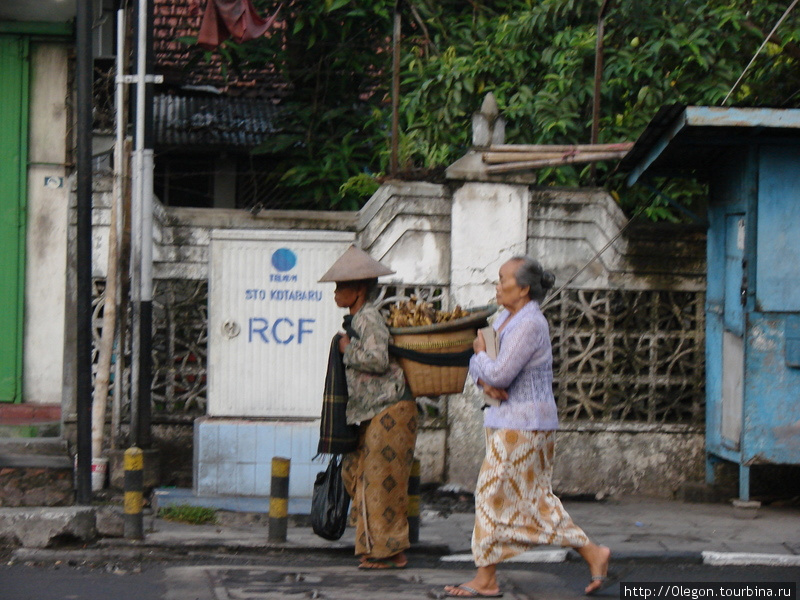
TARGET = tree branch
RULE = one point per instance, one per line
(790, 48)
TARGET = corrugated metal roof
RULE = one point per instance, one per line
(684, 139)
(218, 121)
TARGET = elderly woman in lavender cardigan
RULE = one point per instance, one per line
(515, 508)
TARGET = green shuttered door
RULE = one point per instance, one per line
(13, 167)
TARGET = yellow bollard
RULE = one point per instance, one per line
(413, 502)
(279, 500)
(133, 522)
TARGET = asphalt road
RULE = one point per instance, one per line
(267, 577)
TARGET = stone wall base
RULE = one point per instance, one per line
(36, 486)
(613, 463)
(596, 459)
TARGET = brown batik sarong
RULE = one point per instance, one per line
(376, 477)
(515, 508)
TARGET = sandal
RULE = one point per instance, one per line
(606, 581)
(471, 593)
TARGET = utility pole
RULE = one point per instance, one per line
(84, 75)
(394, 159)
(142, 233)
(598, 78)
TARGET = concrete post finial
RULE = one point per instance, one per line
(489, 107)
(481, 130)
(488, 127)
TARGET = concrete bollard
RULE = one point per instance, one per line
(279, 500)
(133, 521)
(413, 502)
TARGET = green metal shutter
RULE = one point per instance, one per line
(13, 191)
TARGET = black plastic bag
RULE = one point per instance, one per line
(330, 502)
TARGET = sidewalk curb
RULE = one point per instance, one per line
(119, 549)
(724, 559)
(428, 549)
(558, 556)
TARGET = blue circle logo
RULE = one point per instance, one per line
(284, 259)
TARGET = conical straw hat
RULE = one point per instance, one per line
(353, 265)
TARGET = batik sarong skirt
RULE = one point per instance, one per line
(515, 508)
(376, 477)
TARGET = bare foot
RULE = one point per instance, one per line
(465, 590)
(598, 557)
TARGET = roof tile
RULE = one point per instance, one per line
(174, 19)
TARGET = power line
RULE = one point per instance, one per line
(760, 48)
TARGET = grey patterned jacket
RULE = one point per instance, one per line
(374, 379)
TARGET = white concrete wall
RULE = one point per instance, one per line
(407, 227)
(46, 235)
(489, 226)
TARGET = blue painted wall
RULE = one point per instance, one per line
(762, 186)
(733, 191)
(771, 431)
(778, 236)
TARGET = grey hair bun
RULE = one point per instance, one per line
(530, 274)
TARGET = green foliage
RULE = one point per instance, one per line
(536, 56)
(358, 189)
(184, 513)
(328, 53)
(539, 63)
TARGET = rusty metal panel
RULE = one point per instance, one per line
(792, 348)
(771, 431)
(711, 116)
(269, 322)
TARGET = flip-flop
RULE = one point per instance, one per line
(382, 563)
(606, 581)
(472, 593)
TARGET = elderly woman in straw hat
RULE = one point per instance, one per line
(379, 403)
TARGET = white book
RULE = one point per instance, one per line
(492, 341)
(492, 349)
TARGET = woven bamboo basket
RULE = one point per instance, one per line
(440, 338)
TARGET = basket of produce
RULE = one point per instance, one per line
(433, 347)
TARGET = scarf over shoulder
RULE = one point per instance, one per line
(335, 435)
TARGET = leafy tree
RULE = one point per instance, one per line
(539, 63)
(536, 56)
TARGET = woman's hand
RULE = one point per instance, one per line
(479, 344)
(344, 341)
(493, 392)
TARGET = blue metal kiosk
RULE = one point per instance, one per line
(751, 159)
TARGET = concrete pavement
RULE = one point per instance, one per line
(643, 534)
(634, 529)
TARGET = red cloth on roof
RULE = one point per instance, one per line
(235, 19)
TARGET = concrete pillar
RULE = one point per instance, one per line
(46, 235)
(489, 226)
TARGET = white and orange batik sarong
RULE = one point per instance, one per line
(515, 508)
